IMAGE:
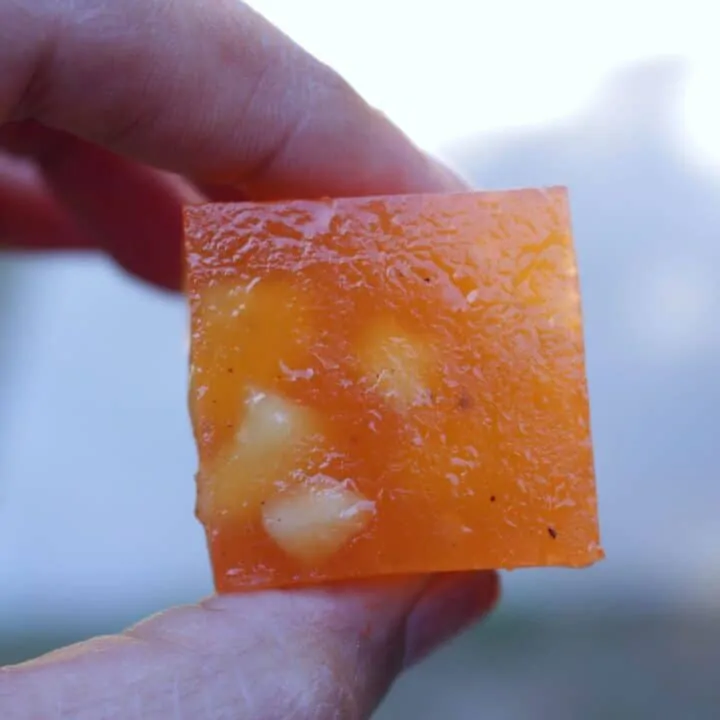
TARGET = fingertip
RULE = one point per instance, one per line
(451, 603)
(449, 179)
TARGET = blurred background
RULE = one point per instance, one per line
(618, 100)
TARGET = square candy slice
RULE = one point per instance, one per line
(389, 385)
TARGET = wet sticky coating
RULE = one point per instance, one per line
(389, 385)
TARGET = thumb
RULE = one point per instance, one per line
(300, 654)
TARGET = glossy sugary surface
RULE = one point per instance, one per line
(389, 385)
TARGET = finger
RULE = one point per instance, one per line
(208, 90)
(314, 653)
(223, 193)
(30, 216)
(449, 604)
(129, 210)
(87, 192)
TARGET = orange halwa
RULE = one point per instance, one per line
(389, 385)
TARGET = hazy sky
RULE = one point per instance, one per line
(449, 69)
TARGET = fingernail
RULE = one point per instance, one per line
(449, 605)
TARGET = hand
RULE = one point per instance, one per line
(112, 114)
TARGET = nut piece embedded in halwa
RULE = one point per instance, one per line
(395, 364)
(272, 438)
(273, 424)
(241, 312)
(311, 522)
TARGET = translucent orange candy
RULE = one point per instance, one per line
(389, 385)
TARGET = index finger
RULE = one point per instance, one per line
(209, 90)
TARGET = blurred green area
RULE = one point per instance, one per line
(576, 666)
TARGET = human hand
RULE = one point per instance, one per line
(113, 114)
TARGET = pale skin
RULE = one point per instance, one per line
(113, 113)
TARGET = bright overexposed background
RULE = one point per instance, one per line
(618, 100)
